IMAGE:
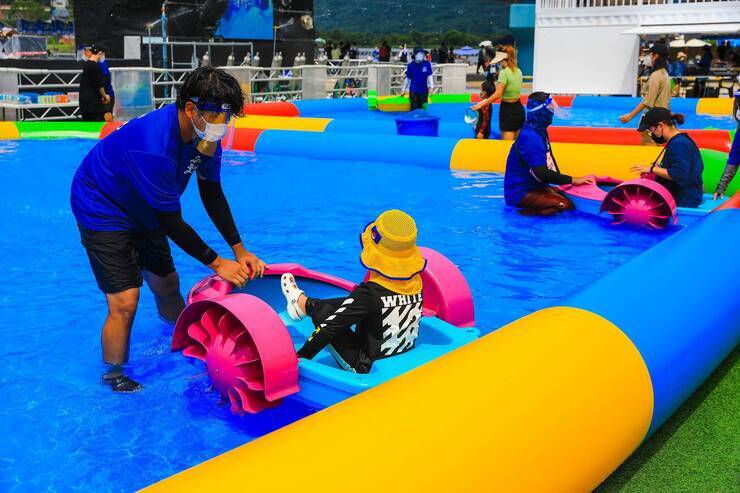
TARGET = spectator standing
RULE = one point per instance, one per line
(403, 55)
(435, 55)
(509, 91)
(385, 52)
(443, 53)
(93, 97)
(705, 62)
(658, 93)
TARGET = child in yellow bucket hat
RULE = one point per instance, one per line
(386, 309)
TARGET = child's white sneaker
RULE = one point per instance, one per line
(292, 293)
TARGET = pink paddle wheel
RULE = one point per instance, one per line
(641, 202)
(247, 349)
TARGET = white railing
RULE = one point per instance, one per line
(144, 88)
(346, 81)
(578, 4)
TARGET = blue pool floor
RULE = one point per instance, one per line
(63, 431)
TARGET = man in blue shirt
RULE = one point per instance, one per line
(419, 80)
(126, 199)
(531, 166)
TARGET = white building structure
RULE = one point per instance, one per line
(592, 46)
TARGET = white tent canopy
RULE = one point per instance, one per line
(692, 43)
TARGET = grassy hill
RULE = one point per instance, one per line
(486, 17)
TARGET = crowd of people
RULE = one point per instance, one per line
(711, 61)
(340, 50)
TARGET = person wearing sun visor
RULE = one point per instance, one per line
(658, 93)
(531, 166)
(126, 199)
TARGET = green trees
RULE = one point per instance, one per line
(30, 10)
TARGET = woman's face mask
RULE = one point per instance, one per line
(658, 139)
(212, 132)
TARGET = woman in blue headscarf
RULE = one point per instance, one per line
(531, 167)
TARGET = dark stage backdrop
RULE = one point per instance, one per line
(108, 22)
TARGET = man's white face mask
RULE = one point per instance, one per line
(213, 132)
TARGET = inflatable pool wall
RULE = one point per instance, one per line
(554, 401)
(462, 154)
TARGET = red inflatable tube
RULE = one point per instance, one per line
(733, 203)
(272, 109)
(718, 140)
(242, 139)
(563, 100)
(108, 128)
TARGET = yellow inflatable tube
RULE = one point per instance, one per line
(573, 159)
(714, 106)
(8, 130)
(554, 401)
(283, 123)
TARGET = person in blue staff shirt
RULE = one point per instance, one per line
(419, 80)
(531, 167)
(126, 200)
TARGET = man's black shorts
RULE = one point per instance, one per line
(118, 257)
(418, 100)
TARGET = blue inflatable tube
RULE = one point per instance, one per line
(420, 151)
(616, 103)
(684, 318)
(600, 102)
(684, 105)
(329, 107)
(453, 130)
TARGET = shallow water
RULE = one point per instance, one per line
(63, 431)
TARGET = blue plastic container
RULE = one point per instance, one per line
(419, 123)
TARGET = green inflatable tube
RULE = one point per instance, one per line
(714, 164)
(51, 130)
(450, 98)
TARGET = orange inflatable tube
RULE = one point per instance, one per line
(272, 109)
(241, 139)
(719, 140)
(108, 128)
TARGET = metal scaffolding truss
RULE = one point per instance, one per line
(48, 79)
